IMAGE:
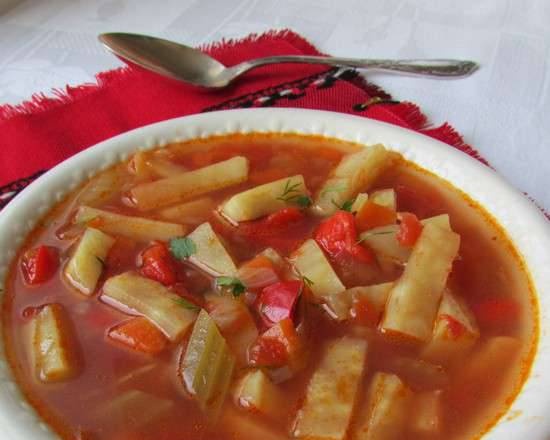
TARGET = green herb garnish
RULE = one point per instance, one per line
(346, 206)
(236, 285)
(307, 281)
(103, 264)
(182, 247)
(186, 304)
(303, 201)
(292, 194)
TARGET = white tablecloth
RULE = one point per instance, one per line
(503, 110)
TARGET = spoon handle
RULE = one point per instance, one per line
(428, 67)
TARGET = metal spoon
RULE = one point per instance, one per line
(193, 66)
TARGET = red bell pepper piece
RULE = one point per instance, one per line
(338, 234)
(276, 347)
(283, 230)
(372, 215)
(157, 264)
(278, 301)
(39, 264)
(410, 229)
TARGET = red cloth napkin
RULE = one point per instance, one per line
(39, 134)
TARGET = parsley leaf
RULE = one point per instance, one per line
(182, 247)
(346, 206)
(186, 304)
(303, 201)
(236, 285)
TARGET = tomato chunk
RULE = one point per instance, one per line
(278, 301)
(338, 234)
(456, 328)
(410, 229)
(276, 347)
(372, 215)
(285, 216)
(364, 313)
(158, 264)
(39, 264)
(139, 334)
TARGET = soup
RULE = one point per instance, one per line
(268, 287)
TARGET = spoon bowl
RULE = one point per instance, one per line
(190, 65)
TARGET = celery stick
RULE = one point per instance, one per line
(207, 365)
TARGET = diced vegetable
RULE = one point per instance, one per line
(139, 295)
(338, 234)
(258, 272)
(427, 413)
(139, 334)
(191, 184)
(410, 229)
(39, 264)
(54, 353)
(359, 201)
(207, 365)
(190, 213)
(274, 257)
(385, 197)
(383, 240)
(88, 260)
(311, 263)
(211, 256)
(158, 265)
(355, 172)
(368, 302)
(136, 228)
(165, 168)
(441, 220)
(266, 199)
(331, 197)
(384, 415)
(331, 392)
(235, 323)
(278, 346)
(127, 405)
(285, 217)
(455, 330)
(418, 373)
(414, 299)
(103, 187)
(373, 215)
(256, 393)
(278, 301)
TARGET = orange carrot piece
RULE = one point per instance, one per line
(139, 334)
(373, 215)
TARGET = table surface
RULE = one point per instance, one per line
(503, 110)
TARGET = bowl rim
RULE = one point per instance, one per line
(529, 232)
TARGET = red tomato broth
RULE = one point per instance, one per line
(488, 269)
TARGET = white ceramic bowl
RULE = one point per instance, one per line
(524, 223)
